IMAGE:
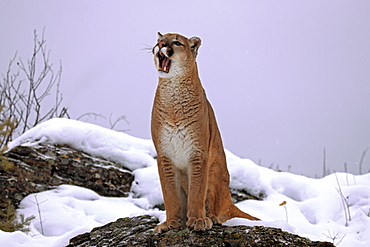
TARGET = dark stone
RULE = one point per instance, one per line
(47, 166)
(241, 195)
(138, 231)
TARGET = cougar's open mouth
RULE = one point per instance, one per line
(164, 63)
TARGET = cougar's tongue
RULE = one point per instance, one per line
(164, 63)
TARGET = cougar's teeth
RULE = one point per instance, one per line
(164, 63)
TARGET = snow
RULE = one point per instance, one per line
(315, 208)
(116, 146)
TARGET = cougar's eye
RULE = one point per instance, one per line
(177, 43)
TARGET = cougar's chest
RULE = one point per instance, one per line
(178, 140)
(178, 145)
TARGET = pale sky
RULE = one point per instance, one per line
(285, 78)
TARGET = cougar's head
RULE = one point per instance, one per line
(174, 54)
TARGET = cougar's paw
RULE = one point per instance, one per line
(199, 224)
(167, 225)
(215, 220)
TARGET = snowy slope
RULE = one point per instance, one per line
(335, 208)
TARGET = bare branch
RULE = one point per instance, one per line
(91, 114)
(25, 92)
(347, 212)
(113, 123)
(362, 160)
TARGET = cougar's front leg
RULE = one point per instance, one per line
(171, 195)
(197, 195)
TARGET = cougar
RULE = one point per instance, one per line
(191, 160)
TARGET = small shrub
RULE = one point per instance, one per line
(11, 222)
(7, 127)
(5, 164)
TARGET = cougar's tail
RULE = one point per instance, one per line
(236, 212)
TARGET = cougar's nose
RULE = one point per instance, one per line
(161, 44)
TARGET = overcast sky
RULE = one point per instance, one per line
(285, 78)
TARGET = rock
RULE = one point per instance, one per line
(138, 231)
(241, 195)
(41, 168)
(47, 166)
(44, 167)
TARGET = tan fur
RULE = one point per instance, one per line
(191, 158)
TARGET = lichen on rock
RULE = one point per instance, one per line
(138, 231)
(41, 168)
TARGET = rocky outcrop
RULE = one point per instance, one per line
(47, 166)
(138, 231)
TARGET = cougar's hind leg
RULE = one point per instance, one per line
(211, 201)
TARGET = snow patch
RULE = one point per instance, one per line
(314, 208)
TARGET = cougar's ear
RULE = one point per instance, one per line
(160, 35)
(195, 43)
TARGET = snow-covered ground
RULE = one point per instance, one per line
(335, 208)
